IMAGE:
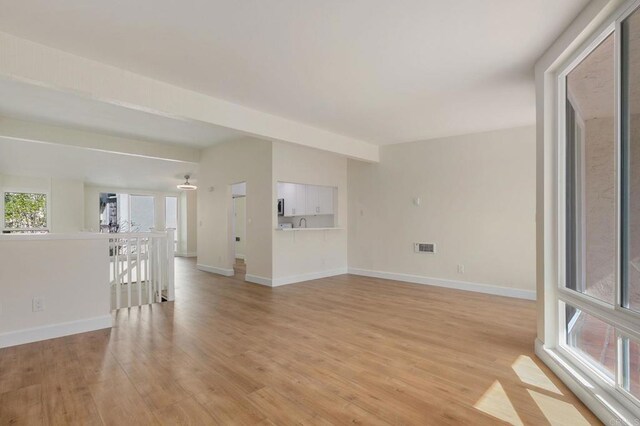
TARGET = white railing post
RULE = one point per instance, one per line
(170, 259)
(151, 255)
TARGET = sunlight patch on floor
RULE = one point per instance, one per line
(558, 412)
(531, 374)
(496, 403)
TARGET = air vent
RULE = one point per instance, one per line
(424, 248)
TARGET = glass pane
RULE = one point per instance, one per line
(171, 216)
(25, 210)
(590, 152)
(631, 366)
(142, 213)
(591, 339)
(631, 160)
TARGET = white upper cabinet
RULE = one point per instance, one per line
(312, 200)
(325, 200)
(299, 209)
(306, 200)
(287, 191)
(319, 200)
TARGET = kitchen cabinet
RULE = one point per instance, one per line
(294, 196)
(319, 200)
(306, 200)
(325, 200)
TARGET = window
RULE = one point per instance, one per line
(126, 213)
(598, 297)
(630, 120)
(590, 175)
(25, 212)
(171, 216)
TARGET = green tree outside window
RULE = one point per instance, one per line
(25, 210)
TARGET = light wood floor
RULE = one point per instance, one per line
(333, 351)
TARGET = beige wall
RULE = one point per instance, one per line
(308, 254)
(247, 160)
(70, 276)
(67, 205)
(477, 204)
(188, 233)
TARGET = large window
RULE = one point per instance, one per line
(126, 213)
(599, 293)
(25, 212)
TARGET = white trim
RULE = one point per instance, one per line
(440, 282)
(604, 405)
(187, 254)
(275, 282)
(216, 270)
(258, 280)
(239, 256)
(53, 331)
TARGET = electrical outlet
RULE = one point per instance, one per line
(38, 304)
(461, 269)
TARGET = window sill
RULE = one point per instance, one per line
(604, 404)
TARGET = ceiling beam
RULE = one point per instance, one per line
(34, 63)
(43, 133)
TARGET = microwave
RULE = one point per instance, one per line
(280, 206)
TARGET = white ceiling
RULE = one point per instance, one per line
(379, 70)
(94, 167)
(26, 101)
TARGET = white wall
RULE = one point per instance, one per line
(188, 217)
(71, 276)
(310, 254)
(65, 199)
(477, 204)
(67, 205)
(246, 160)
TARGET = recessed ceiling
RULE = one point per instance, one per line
(93, 167)
(379, 70)
(36, 103)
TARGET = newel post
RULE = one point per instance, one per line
(170, 256)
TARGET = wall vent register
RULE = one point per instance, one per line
(424, 248)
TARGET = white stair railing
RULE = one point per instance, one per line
(141, 268)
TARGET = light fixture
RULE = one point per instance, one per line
(186, 185)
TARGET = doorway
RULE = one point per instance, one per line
(239, 228)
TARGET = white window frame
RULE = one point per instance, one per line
(22, 190)
(625, 321)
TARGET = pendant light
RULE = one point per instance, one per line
(186, 185)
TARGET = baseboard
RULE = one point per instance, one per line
(307, 277)
(216, 270)
(190, 254)
(258, 280)
(52, 331)
(440, 282)
(596, 398)
(239, 256)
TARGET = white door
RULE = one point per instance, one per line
(239, 206)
